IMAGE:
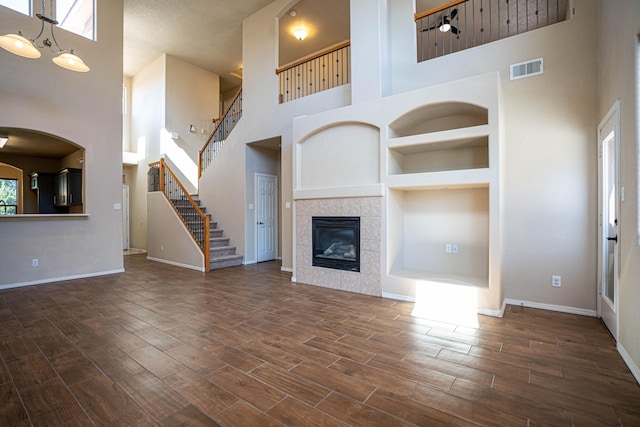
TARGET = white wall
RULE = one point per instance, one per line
(618, 78)
(168, 95)
(84, 108)
(147, 120)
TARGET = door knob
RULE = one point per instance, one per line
(260, 223)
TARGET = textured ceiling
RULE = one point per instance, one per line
(207, 33)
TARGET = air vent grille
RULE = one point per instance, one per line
(527, 69)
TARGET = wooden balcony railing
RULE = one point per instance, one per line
(161, 178)
(462, 24)
(325, 70)
(223, 128)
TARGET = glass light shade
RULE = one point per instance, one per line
(300, 33)
(19, 45)
(3, 140)
(445, 27)
(71, 62)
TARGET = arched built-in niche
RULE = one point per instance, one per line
(438, 117)
(439, 137)
(52, 171)
(343, 155)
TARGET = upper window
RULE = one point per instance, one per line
(22, 6)
(76, 16)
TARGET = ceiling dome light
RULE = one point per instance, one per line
(300, 33)
(71, 62)
(445, 27)
(19, 45)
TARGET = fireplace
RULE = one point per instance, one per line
(336, 242)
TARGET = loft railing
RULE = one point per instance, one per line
(223, 128)
(324, 70)
(161, 178)
(463, 24)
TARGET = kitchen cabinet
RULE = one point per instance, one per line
(42, 185)
(68, 187)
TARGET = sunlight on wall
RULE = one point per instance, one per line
(446, 302)
(131, 158)
(178, 157)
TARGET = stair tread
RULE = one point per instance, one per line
(225, 257)
(223, 248)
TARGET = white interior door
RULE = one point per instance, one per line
(267, 217)
(609, 208)
(125, 217)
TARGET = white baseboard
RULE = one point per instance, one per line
(552, 307)
(397, 297)
(60, 279)
(253, 261)
(293, 279)
(286, 269)
(629, 361)
(177, 264)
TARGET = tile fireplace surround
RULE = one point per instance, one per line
(369, 209)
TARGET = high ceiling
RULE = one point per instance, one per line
(208, 33)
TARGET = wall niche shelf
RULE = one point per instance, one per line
(443, 180)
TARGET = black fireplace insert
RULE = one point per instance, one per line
(336, 242)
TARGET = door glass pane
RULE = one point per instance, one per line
(611, 216)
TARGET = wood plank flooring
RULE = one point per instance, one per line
(244, 346)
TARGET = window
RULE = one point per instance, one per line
(8, 196)
(22, 6)
(76, 16)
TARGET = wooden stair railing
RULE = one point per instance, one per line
(196, 221)
(323, 70)
(220, 133)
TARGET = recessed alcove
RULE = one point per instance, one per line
(467, 153)
(423, 224)
(438, 117)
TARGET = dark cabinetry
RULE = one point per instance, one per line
(58, 191)
(68, 187)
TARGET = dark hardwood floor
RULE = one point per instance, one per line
(244, 346)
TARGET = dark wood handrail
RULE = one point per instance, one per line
(437, 9)
(314, 56)
(220, 121)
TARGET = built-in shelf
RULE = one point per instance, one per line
(439, 117)
(471, 178)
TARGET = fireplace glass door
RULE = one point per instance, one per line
(336, 242)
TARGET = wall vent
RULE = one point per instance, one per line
(526, 69)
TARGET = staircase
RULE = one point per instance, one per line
(222, 254)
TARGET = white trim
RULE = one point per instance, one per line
(286, 269)
(629, 361)
(293, 279)
(493, 313)
(253, 261)
(398, 297)
(552, 307)
(177, 264)
(372, 190)
(60, 279)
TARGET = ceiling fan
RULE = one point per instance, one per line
(444, 23)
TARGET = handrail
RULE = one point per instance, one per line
(234, 109)
(437, 9)
(203, 242)
(314, 56)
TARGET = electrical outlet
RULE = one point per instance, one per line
(447, 248)
(556, 281)
(34, 262)
(455, 249)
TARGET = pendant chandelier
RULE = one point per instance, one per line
(28, 48)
